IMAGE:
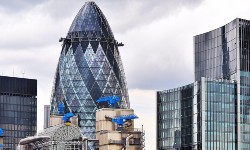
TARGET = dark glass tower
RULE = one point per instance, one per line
(18, 109)
(224, 53)
(222, 73)
(174, 107)
(216, 52)
(89, 67)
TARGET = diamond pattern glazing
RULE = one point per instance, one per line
(89, 67)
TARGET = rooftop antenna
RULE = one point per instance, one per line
(23, 72)
(13, 71)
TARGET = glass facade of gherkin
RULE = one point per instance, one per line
(89, 67)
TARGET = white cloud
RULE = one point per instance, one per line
(159, 53)
(31, 29)
(136, 13)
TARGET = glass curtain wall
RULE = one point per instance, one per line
(215, 53)
(244, 48)
(222, 69)
(220, 114)
(224, 53)
(199, 116)
(174, 118)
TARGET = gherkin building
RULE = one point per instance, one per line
(89, 67)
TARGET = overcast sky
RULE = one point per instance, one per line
(158, 38)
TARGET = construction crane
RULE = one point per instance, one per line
(61, 108)
(1, 132)
(111, 100)
(66, 118)
(124, 121)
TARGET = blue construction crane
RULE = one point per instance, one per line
(66, 117)
(1, 132)
(120, 120)
(61, 108)
(112, 100)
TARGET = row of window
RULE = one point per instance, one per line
(225, 30)
(218, 66)
(18, 127)
(216, 43)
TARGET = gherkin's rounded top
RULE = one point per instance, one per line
(90, 22)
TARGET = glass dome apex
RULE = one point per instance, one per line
(90, 21)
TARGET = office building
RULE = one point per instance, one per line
(225, 53)
(197, 115)
(18, 109)
(89, 67)
(221, 65)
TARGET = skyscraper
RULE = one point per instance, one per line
(18, 108)
(89, 67)
(220, 101)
